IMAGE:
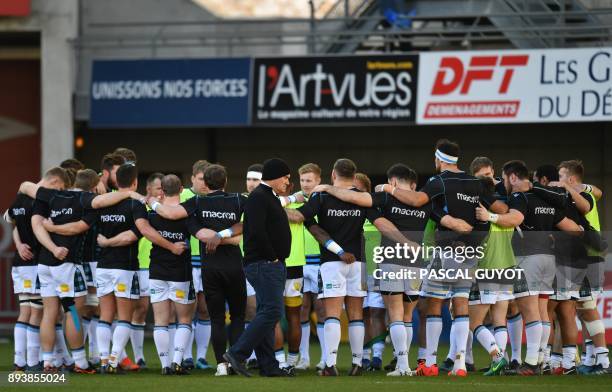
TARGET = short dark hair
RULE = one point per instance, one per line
(171, 185)
(126, 153)
(215, 177)
(71, 174)
(256, 167)
(487, 183)
(362, 177)
(574, 167)
(126, 174)
(516, 167)
(549, 171)
(402, 173)
(155, 176)
(345, 168)
(479, 163)
(448, 147)
(72, 163)
(86, 179)
(59, 173)
(110, 160)
(199, 166)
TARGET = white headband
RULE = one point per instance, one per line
(254, 174)
(446, 158)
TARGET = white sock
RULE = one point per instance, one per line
(188, 353)
(515, 332)
(367, 353)
(469, 354)
(321, 337)
(183, 331)
(533, 332)
(305, 342)
(21, 343)
(589, 358)
(202, 337)
(85, 324)
(162, 343)
(462, 331)
(486, 339)
(332, 340)
(434, 329)
(280, 357)
(93, 340)
(356, 330)
(397, 330)
(422, 353)
(121, 335)
(378, 349)
(569, 357)
(409, 335)
(172, 333)
(501, 338)
(103, 336)
(452, 350)
(555, 360)
(48, 358)
(547, 352)
(62, 354)
(601, 357)
(544, 340)
(137, 339)
(292, 358)
(80, 357)
(33, 345)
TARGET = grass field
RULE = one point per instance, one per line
(151, 381)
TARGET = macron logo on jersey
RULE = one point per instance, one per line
(19, 211)
(408, 212)
(469, 199)
(63, 211)
(172, 235)
(343, 213)
(112, 218)
(544, 211)
(219, 215)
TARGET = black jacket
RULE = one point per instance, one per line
(266, 228)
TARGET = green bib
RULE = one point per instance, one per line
(498, 253)
(297, 257)
(372, 239)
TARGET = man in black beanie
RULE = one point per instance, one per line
(267, 243)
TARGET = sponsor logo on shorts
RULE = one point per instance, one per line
(297, 286)
(121, 287)
(27, 284)
(332, 285)
(180, 294)
(64, 288)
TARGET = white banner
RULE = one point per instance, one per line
(515, 86)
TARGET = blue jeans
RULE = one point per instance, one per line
(268, 280)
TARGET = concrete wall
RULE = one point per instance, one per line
(57, 22)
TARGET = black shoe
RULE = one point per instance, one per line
(448, 365)
(236, 365)
(528, 370)
(392, 365)
(166, 371)
(290, 370)
(142, 364)
(108, 369)
(188, 364)
(375, 365)
(512, 369)
(329, 371)
(19, 368)
(38, 368)
(484, 370)
(178, 369)
(469, 367)
(356, 370)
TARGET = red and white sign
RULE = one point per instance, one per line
(15, 7)
(515, 86)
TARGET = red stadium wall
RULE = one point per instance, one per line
(19, 153)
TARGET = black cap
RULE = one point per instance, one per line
(274, 168)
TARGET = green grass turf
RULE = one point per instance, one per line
(151, 381)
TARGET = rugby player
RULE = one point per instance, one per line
(24, 272)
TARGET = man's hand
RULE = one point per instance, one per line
(60, 253)
(380, 188)
(137, 196)
(100, 188)
(48, 225)
(212, 243)
(348, 258)
(299, 197)
(25, 252)
(178, 248)
(320, 188)
(559, 184)
(482, 214)
(102, 241)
